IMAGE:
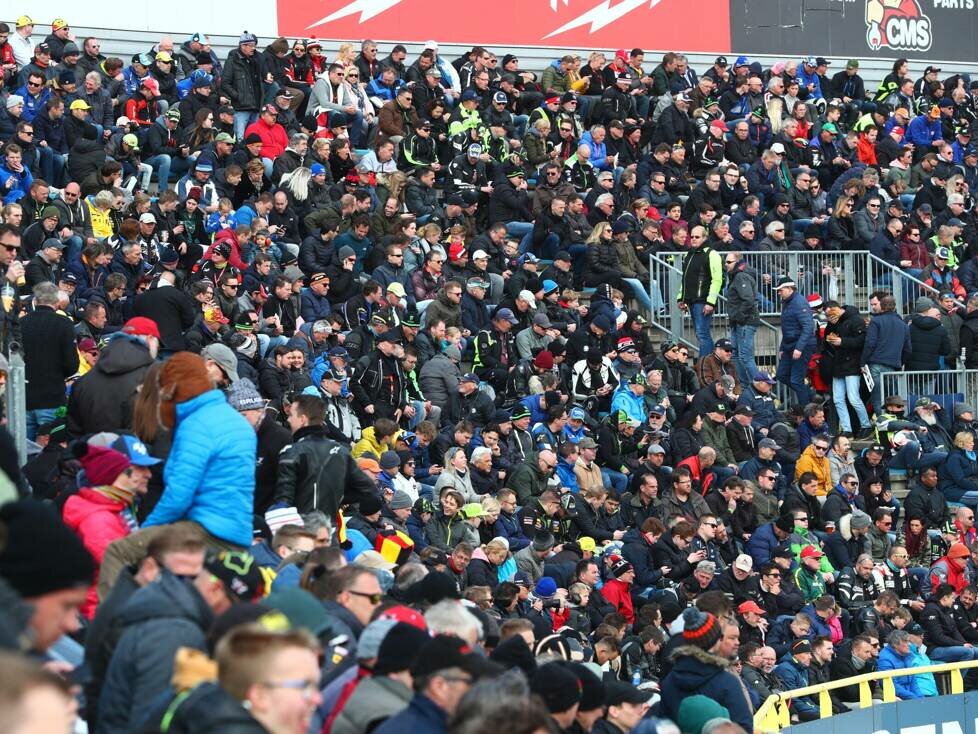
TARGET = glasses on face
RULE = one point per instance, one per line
(566, 129)
(232, 286)
(820, 448)
(33, 84)
(872, 206)
(372, 598)
(852, 484)
(10, 248)
(308, 688)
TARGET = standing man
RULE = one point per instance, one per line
(50, 356)
(242, 83)
(797, 340)
(700, 286)
(743, 313)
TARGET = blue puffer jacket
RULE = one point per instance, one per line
(795, 675)
(887, 340)
(210, 474)
(762, 544)
(797, 327)
(906, 685)
(697, 672)
(820, 628)
(922, 131)
(157, 619)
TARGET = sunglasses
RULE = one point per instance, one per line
(373, 598)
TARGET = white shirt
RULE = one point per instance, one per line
(23, 48)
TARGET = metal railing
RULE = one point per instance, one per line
(944, 386)
(775, 714)
(665, 274)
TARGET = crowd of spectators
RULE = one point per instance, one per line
(347, 410)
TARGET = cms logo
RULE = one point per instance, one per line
(897, 24)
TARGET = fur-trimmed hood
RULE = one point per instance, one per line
(701, 656)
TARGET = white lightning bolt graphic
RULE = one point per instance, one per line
(553, 4)
(602, 14)
(367, 9)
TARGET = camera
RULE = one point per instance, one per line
(551, 603)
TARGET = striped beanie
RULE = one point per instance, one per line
(700, 628)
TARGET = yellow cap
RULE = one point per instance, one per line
(80, 104)
(58, 24)
(587, 544)
(163, 56)
(24, 20)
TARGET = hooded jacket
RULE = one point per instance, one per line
(159, 618)
(102, 400)
(698, 672)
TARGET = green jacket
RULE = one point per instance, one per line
(811, 585)
(527, 481)
(715, 436)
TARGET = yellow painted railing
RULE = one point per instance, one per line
(774, 714)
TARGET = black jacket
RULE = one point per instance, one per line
(157, 620)
(272, 439)
(50, 356)
(102, 399)
(940, 629)
(665, 553)
(317, 473)
(173, 311)
(927, 504)
(845, 357)
(928, 341)
(242, 82)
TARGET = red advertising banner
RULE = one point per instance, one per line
(702, 25)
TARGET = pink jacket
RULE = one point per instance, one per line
(98, 521)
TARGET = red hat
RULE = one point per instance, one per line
(897, 129)
(958, 550)
(141, 326)
(810, 551)
(353, 175)
(553, 100)
(103, 465)
(750, 606)
(815, 300)
(406, 615)
(719, 124)
(215, 314)
(152, 85)
(544, 360)
(621, 54)
(626, 342)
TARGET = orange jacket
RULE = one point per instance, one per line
(817, 465)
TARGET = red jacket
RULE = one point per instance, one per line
(98, 521)
(619, 593)
(229, 236)
(273, 138)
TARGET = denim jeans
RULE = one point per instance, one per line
(909, 457)
(955, 654)
(38, 417)
(791, 372)
(73, 247)
(701, 323)
(638, 289)
(876, 394)
(164, 165)
(742, 337)
(241, 120)
(615, 478)
(844, 388)
(52, 166)
(524, 230)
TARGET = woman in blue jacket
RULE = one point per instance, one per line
(959, 474)
(210, 474)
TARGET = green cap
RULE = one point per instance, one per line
(830, 127)
(852, 64)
